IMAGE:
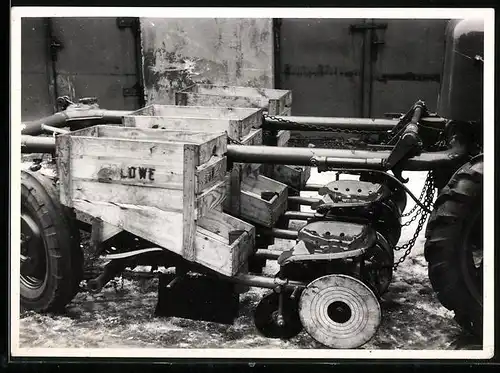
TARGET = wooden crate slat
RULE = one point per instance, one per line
(155, 225)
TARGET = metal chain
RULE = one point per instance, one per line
(428, 200)
(420, 198)
(413, 218)
(330, 129)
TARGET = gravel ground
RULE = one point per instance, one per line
(122, 314)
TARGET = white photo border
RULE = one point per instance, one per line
(390, 13)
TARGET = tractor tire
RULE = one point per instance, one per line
(51, 257)
(453, 242)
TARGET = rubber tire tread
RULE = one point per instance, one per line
(444, 237)
(65, 257)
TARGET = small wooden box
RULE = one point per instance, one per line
(236, 122)
(153, 183)
(223, 243)
(257, 209)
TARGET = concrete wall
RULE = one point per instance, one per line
(180, 52)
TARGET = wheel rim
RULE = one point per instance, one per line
(33, 258)
(339, 311)
(472, 256)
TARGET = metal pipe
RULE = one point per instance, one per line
(53, 129)
(300, 215)
(87, 117)
(36, 144)
(305, 201)
(334, 158)
(266, 282)
(305, 156)
(268, 254)
(302, 123)
(285, 234)
(312, 187)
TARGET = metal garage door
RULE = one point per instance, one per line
(80, 57)
(359, 67)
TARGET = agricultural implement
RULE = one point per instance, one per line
(207, 185)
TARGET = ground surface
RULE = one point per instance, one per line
(122, 315)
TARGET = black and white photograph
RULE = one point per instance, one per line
(254, 183)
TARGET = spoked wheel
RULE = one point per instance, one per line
(267, 321)
(454, 246)
(51, 258)
(339, 311)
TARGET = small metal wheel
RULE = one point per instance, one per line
(267, 320)
(339, 311)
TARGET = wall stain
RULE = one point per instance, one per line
(183, 52)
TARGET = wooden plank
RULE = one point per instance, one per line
(210, 198)
(212, 146)
(213, 253)
(253, 121)
(221, 223)
(287, 111)
(163, 228)
(186, 123)
(188, 99)
(188, 199)
(273, 108)
(170, 153)
(253, 138)
(293, 176)
(282, 138)
(101, 231)
(64, 168)
(232, 202)
(209, 173)
(243, 247)
(165, 199)
(115, 170)
(149, 134)
(196, 112)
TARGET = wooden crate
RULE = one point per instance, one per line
(152, 183)
(236, 122)
(274, 101)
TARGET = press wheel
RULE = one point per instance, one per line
(339, 311)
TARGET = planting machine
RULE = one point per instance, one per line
(206, 186)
